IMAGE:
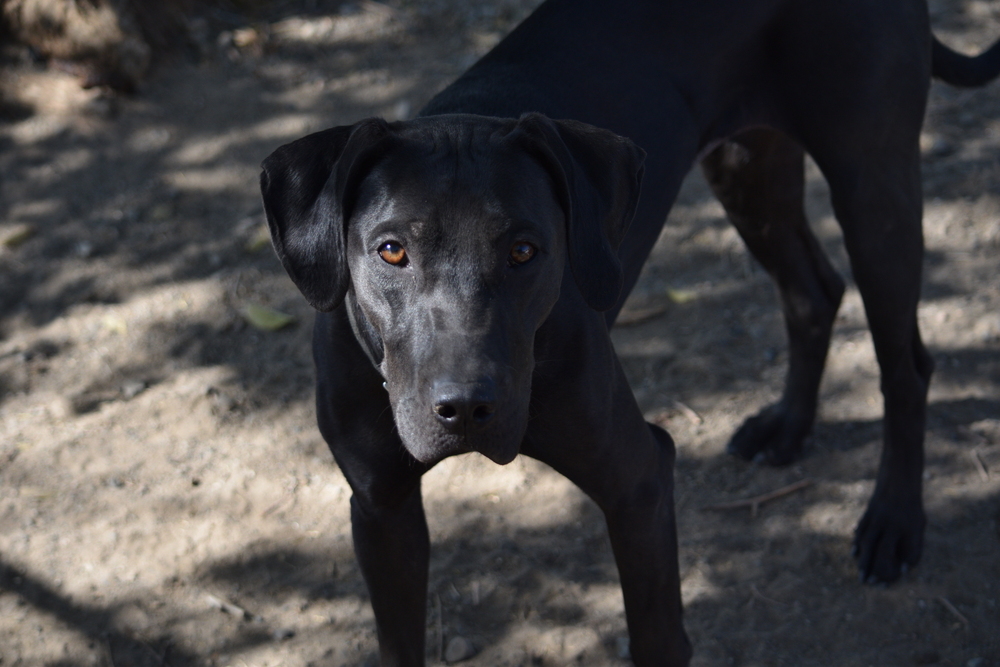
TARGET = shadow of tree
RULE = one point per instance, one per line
(777, 574)
(95, 623)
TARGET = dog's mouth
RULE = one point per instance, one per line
(435, 431)
(501, 455)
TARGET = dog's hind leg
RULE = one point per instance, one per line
(759, 178)
(387, 518)
(876, 194)
(855, 85)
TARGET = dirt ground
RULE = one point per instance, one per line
(166, 499)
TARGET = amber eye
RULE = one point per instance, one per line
(392, 253)
(522, 252)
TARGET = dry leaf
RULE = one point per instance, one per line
(681, 296)
(15, 235)
(260, 239)
(266, 319)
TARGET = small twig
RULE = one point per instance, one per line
(440, 630)
(156, 655)
(111, 653)
(955, 612)
(984, 472)
(286, 502)
(692, 416)
(379, 8)
(273, 508)
(228, 607)
(755, 502)
(633, 316)
(760, 596)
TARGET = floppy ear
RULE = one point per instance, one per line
(598, 174)
(307, 187)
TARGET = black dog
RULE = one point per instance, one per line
(460, 261)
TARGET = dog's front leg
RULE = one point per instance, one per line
(390, 531)
(634, 488)
(643, 532)
(392, 548)
(591, 430)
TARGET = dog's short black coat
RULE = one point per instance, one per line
(460, 261)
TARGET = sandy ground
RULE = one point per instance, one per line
(166, 499)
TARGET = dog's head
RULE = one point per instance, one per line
(449, 236)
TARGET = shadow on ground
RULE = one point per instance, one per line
(125, 302)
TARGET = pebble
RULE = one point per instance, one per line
(987, 328)
(60, 407)
(458, 649)
(939, 147)
(623, 646)
(84, 249)
(927, 658)
(283, 633)
(132, 389)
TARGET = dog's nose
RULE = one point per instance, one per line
(461, 406)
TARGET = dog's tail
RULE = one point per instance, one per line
(965, 71)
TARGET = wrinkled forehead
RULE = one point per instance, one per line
(457, 169)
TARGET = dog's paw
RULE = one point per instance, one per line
(888, 540)
(772, 436)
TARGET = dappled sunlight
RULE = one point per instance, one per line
(829, 518)
(166, 497)
(697, 586)
(367, 22)
(151, 139)
(211, 180)
(40, 208)
(964, 486)
(198, 150)
(524, 493)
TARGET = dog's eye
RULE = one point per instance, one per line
(392, 253)
(522, 252)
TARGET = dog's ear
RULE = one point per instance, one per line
(599, 175)
(307, 187)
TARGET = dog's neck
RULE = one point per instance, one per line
(370, 340)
